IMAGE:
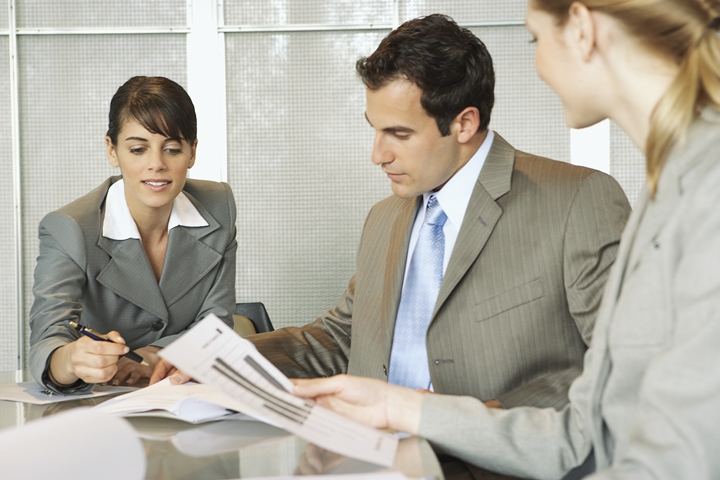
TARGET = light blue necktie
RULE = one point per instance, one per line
(408, 358)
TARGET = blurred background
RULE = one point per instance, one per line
(280, 114)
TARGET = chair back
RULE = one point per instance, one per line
(257, 314)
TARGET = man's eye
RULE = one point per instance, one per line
(401, 136)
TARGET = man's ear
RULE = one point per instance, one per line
(466, 124)
(582, 29)
(193, 153)
(111, 152)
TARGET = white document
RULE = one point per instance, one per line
(214, 354)
(191, 402)
(345, 476)
(32, 392)
(81, 443)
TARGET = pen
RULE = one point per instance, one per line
(89, 332)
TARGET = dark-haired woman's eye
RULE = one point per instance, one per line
(137, 151)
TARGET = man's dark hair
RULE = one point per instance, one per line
(448, 63)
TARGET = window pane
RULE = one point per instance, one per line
(100, 13)
(627, 163)
(526, 113)
(465, 10)
(287, 12)
(299, 164)
(8, 321)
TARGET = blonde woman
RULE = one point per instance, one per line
(648, 402)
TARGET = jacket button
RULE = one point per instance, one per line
(157, 326)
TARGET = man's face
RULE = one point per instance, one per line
(408, 145)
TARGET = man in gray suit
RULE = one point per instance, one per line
(528, 242)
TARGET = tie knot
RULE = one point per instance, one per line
(434, 214)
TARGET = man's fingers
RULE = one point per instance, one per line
(179, 377)
(315, 387)
(162, 370)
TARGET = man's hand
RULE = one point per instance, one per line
(164, 369)
(366, 400)
(129, 372)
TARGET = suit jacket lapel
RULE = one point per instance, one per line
(395, 267)
(129, 275)
(187, 260)
(481, 216)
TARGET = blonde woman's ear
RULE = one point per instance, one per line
(582, 22)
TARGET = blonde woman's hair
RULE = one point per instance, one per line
(685, 30)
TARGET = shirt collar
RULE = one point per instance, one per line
(454, 196)
(119, 224)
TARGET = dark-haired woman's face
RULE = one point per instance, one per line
(153, 166)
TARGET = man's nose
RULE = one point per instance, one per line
(380, 153)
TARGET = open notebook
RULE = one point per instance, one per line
(191, 402)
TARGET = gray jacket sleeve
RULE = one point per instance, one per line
(58, 285)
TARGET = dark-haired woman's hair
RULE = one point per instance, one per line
(158, 104)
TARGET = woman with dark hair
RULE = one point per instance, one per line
(648, 402)
(143, 257)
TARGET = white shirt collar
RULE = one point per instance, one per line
(119, 223)
(455, 195)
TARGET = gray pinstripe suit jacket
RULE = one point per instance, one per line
(108, 284)
(517, 304)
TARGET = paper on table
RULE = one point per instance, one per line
(32, 392)
(214, 354)
(345, 476)
(190, 402)
(80, 443)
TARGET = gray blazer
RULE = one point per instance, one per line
(109, 284)
(648, 401)
(517, 304)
